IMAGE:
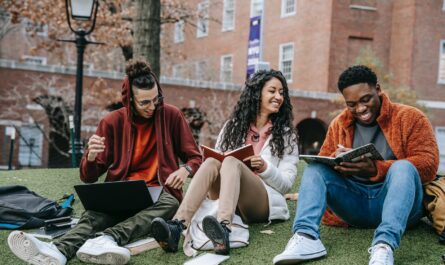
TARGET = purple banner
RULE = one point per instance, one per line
(254, 47)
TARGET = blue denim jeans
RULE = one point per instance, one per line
(389, 206)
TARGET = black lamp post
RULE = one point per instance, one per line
(82, 10)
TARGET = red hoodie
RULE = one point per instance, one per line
(173, 137)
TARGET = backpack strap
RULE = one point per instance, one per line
(68, 201)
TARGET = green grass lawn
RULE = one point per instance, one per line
(344, 246)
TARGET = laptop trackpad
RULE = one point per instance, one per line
(155, 192)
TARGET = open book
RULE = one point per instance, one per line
(239, 153)
(352, 155)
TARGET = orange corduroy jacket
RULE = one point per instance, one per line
(407, 131)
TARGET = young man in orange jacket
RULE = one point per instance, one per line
(386, 195)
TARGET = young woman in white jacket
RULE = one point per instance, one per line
(262, 117)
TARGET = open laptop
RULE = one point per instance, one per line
(117, 197)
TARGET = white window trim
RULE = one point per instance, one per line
(43, 59)
(222, 68)
(281, 59)
(283, 9)
(177, 71)
(251, 6)
(364, 8)
(441, 52)
(178, 32)
(443, 5)
(199, 33)
(232, 28)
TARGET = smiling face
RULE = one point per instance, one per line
(364, 102)
(271, 96)
(145, 101)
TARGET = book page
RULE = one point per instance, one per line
(354, 155)
(242, 152)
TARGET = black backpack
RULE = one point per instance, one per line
(21, 208)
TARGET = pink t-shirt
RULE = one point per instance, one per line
(257, 138)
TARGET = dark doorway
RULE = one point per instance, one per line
(311, 135)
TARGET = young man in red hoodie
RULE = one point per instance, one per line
(141, 141)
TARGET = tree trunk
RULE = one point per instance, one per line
(147, 29)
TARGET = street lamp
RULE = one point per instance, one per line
(82, 10)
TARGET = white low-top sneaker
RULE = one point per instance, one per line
(103, 250)
(381, 254)
(300, 248)
(30, 249)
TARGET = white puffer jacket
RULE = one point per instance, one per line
(278, 177)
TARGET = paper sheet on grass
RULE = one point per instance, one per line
(207, 259)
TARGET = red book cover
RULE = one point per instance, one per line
(239, 153)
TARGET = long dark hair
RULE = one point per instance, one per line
(247, 110)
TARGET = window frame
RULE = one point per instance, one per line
(201, 6)
(280, 62)
(222, 69)
(224, 27)
(283, 9)
(441, 63)
(178, 32)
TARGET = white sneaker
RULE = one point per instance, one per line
(30, 249)
(103, 250)
(300, 248)
(381, 254)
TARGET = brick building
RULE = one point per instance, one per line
(312, 42)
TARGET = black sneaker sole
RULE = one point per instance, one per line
(162, 234)
(215, 232)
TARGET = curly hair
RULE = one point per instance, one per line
(247, 110)
(356, 75)
(140, 74)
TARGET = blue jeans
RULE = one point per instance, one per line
(389, 206)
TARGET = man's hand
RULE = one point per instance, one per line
(364, 168)
(96, 145)
(176, 179)
(256, 162)
(341, 149)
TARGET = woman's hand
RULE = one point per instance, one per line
(257, 163)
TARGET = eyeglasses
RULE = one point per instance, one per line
(145, 103)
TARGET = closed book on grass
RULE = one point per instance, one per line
(239, 153)
(142, 245)
(352, 155)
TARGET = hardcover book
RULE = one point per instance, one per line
(352, 155)
(142, 245)
(239, 153)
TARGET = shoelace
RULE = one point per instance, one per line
(225, 225)
(294, 241)
(380, 254)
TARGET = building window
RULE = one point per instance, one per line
(226, 68)
(36, 28)
(178, 71)
(179, 31)
(203, 19)
(286, 60)
(30, 150)
(441, 79)
(228, 15)
(201, 70)
(288, 7)
(256, 8)
(34, 60)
